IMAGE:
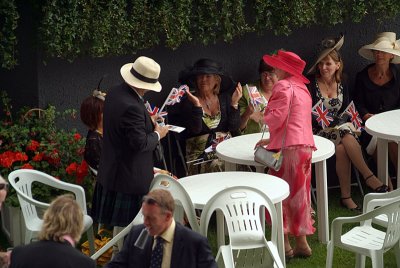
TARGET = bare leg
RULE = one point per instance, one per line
(302, 248)
(343, 171)
(354, 152)
(288, 247)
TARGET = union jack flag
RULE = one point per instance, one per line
(176, 94)
(354, 115)
(324, 117)
(255, 96)
(153, 110)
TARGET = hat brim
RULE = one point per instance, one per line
(133, 81)
(325, 53)
(367, 53)
(274, 62)
(188, 77)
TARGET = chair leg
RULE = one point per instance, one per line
(360, 260)
(377, 259)
(357, 175)
(90, 237)
(329, 255)
(28, 236)
(397, 253)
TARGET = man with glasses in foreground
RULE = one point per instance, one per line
(169, 244)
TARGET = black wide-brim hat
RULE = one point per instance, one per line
(206, 66)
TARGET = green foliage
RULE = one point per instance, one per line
(30, 139)
(8, 40)
(71, 28)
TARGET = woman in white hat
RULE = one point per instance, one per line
(377, 87)
(327, 85)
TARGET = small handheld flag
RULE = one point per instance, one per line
(324, 117)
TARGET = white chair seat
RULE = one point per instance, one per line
(364, 237)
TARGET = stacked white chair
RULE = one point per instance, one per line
(365, 240)
(21, 180)
(248, 247)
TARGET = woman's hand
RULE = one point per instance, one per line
(237, 94)
(263, 142)
(366, 116)
(193, 99)
(257, 116)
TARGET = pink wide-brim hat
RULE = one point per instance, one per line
(289, 62)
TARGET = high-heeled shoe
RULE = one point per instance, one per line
(356, 209)
(380, 189)
(302, 253)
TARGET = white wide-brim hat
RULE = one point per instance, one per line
(143, 73)
(385, 42)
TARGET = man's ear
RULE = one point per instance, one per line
(169, 215)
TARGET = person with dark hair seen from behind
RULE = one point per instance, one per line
(251, 120)
(329, 86)
(130, 138)
(377, 87)
(288, 118)
(92, 116)
(61, 230)
(169, 244)
(211, 113)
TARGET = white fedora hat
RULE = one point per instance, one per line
(143, 73)
(385, 42)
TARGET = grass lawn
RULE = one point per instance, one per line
(341, 258)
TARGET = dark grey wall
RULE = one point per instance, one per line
(66, 84)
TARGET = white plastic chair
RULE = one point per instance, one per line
(181, 197)
(365, 240)
(21, 180)
(241, 207)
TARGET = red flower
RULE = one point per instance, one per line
(7, 159)
(33, 146)
(27, 166)
(53, 158)
(81, 172)
(77, 136)
(20, 156)
(71, 169)
(38, 157)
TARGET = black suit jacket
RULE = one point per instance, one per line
(129, 140)
(45, 253)
(190, 249)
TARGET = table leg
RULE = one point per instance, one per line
(322, 201)
(398, 165)
(230, 166)
(281, 245)
(383, 170)
(220, 228)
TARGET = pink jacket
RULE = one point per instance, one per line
(299, 129)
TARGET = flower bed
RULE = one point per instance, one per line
(30, 139)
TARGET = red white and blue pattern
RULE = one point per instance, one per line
(354, 115)
(154, 110)
(324, 117)
(176, 94)
(255, 97)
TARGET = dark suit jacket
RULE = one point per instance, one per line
(45, 253)
(126, 163)
(190, 249)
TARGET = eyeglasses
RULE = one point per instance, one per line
(4, 186)
(268, 74)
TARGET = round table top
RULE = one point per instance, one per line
(240, 149)
(384, 125)
(202, 187)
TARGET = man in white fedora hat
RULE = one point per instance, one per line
(130, 139)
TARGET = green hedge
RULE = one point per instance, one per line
(71, 28)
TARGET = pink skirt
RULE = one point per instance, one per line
(296, 171)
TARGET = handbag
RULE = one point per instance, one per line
(269, 158)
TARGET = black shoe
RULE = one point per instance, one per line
(356, 209)
(380, 189)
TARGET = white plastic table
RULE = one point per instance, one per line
(386, 127)
(203, 186)
(240, 150)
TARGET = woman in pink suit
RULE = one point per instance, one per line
(291, 101)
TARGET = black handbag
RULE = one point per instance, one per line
(269, 158)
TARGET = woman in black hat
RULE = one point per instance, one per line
(210, 113)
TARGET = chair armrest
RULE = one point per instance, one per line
(372, 196)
